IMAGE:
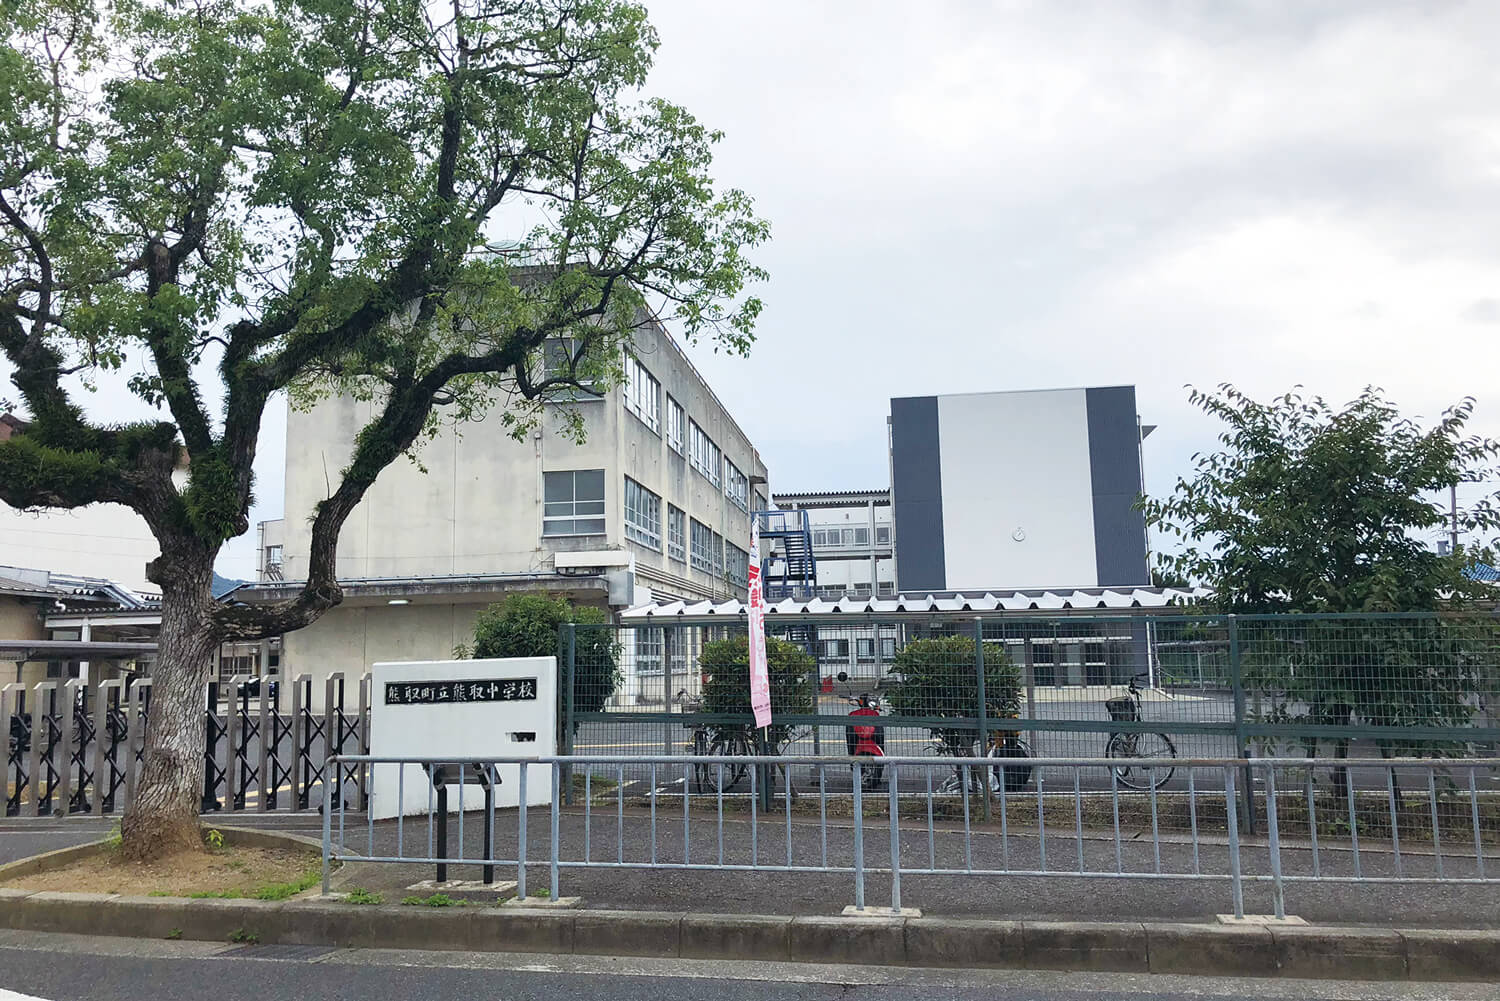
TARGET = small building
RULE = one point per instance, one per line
(56, 626)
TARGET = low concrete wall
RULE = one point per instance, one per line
(1312, 952)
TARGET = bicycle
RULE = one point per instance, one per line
(1136, 744)
(709, 740)
(1003, 744)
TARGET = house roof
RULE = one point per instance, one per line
(23, 582)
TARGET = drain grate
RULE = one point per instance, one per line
(285, 952)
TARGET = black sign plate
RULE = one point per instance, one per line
(431, 693)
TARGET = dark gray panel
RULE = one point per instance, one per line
(917, 494)
(1115, 469)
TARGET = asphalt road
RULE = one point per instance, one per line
(74, 968)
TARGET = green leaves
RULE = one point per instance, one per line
(394, 201)
(1317, 509)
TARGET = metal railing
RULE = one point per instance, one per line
(910, 816)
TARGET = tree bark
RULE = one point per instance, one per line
(163, 818)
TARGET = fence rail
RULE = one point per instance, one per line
(1432, 821)
(77, 749)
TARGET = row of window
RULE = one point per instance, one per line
(864, 649)
(833, 592)
(847, 538)
(643, 397)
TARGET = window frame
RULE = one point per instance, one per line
(676, 526)
(648, 535)
(676, 426)
(602, 517)
(642, 394)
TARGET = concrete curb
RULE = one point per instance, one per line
(1312, 952)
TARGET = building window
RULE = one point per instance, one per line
(820, 538)
(703, 548)
(557, 360)
(676, 422)
(573, 502)
(718, 555)
(882, 535)
(864, 649)
(887, 587)
(760, 501)
(676, 533)
(736, 486)
(738, 564)
(703, 453)
(888, 647)
(642, 394)
(648, 648)
(861, 536)
(642, 515)
(835, 649)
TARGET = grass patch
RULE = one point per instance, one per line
(175, 934)
(242, 937)
(359, 895)
(436, 900)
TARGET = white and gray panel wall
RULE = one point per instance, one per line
(1025, 489)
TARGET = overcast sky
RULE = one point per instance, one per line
(971, 196)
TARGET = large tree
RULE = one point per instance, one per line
(1311, 508)
(219, 201)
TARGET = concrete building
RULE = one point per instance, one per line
(1031, 489)
(654, 504)
(851, 541)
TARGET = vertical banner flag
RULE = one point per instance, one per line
(760, 680)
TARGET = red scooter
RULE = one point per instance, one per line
(866, 740)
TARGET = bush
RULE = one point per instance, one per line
(936, 677)
(726, 688)
(530, 625)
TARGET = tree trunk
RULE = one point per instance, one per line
(163, 817)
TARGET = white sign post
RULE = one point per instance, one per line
(760, 679)
(464, 711)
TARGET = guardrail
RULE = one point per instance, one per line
(918, 817)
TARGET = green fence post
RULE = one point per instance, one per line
(984, 742)
(570, 654)
(1241, 736)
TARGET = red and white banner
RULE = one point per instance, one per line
(760, 679)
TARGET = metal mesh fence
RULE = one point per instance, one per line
(1109, 687)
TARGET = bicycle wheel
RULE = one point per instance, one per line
(1140, 745)
(728, 745)
(703, 774)
(1015, 776)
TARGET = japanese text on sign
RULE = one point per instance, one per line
(427, 693)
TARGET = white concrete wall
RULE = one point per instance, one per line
(101, 540)
(1017, 461)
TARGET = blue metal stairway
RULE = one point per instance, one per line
(787, 536)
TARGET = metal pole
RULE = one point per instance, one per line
(1453, 513)
(442, 830)
(895, 843)
(556, 780)
(1241, 736)
(570, 654)
(489, 825)
(984, 742)
(521, 836)
(1233, 826)
(1278, 896)
(859, 838)
(327, 832)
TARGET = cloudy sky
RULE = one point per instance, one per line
(972, 196)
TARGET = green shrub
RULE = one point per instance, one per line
(727, 686)
(436, 900)
(358, 895)
(531, 625)
(936, 677)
